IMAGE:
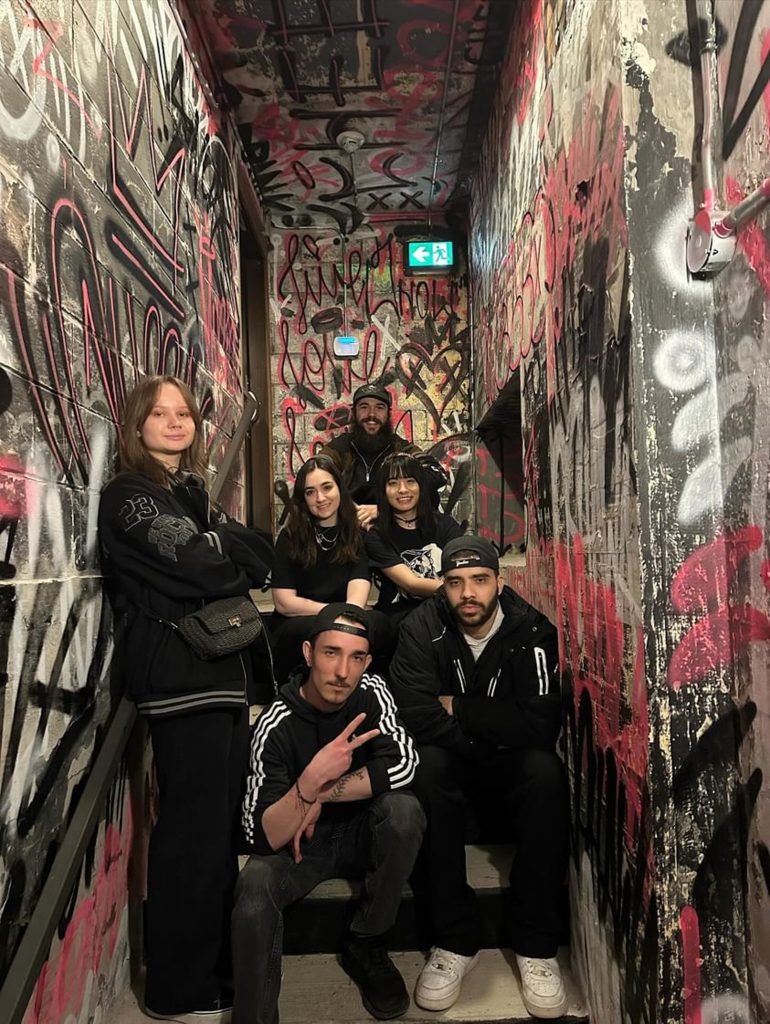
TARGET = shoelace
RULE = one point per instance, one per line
(440, 963)
(538, 968)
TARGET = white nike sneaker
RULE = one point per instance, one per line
(441, 978)
(542, 988)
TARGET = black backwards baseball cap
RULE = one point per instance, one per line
(325, 620)
(378, 391)
(469, 553)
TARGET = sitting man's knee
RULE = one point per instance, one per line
(401, 813)
(256, 886)
(546, 770)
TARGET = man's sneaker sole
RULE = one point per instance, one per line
(444, 1002)
(545, 1012)
(192, 1016)
(381, 1014)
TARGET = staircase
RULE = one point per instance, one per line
(316, 990)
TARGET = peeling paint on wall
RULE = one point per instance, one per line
(700, 351)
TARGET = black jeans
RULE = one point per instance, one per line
(380, 842)
(522, 795)
(200, 762)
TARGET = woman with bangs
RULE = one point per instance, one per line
(319, 559)
(166, 552)
(405, 545)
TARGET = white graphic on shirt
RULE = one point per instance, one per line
(424, 562)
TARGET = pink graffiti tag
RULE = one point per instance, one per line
(691, 961)
(90, 938)
(702, 584)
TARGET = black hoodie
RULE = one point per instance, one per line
(510, 697)
(166, 552)
(359, 469)
(290, 733)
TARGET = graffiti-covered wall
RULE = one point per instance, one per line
(743, 412)
(550, 282)
(703, 346)
(645, 418)
(118, 255)
(413, 335)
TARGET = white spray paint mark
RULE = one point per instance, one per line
(684, 361)
(670, 250)
(26, 45)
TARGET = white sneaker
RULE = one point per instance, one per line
(440, 979)
(542, 988)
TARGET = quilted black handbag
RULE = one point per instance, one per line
(217, 629)
(221, 627)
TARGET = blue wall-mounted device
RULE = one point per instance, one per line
(346, 347)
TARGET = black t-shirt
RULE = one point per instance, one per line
(418, 549)
(326, 581)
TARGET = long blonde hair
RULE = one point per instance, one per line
(133, 456)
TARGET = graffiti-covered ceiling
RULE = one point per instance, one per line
(408, 81)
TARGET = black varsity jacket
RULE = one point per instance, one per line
(165, 553)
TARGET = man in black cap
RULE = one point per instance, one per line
(329, 763)
(476, 678)
(359, 452)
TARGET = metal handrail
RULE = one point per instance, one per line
(35, 944)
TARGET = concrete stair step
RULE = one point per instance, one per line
(318, 924)
(316, 990)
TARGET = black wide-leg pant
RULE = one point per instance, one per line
(522, 794)
(200, 762)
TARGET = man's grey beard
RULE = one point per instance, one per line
(371, 444)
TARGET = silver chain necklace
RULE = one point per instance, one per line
(326, 543)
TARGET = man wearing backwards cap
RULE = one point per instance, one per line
(329, 763)
(359, 452)
(476, 678)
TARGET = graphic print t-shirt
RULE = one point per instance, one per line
(419, 550)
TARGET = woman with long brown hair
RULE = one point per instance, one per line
(168, 553)
(319, 559)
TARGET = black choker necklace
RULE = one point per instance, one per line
(403, 519)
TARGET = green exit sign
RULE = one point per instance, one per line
(429, 257)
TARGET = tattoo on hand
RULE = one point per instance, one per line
(341, 785)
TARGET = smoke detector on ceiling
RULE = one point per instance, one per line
(350, 141)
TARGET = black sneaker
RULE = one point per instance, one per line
(382, 988)
(218, 1011)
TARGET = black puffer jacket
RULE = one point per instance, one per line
(510, 697)
(359, 471)
(165, 553)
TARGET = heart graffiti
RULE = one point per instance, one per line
(434, 378)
